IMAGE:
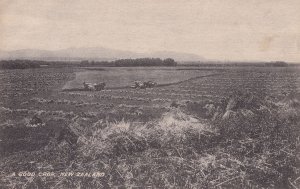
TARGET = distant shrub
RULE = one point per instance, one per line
(277, 64)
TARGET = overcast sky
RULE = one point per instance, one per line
(215, 29)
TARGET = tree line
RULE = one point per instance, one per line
(145, 62)
(26, 64)
(132, 62)
(19, 64)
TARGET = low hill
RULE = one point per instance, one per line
(94, 53)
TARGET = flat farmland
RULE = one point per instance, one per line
(125, 131)
(123, 77)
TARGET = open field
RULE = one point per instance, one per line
(233, 127)
(124, 77)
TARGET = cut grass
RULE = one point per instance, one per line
(171, 137)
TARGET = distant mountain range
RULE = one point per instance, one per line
(95, 53)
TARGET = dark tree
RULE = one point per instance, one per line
(169, 62)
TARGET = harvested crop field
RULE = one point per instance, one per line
(229, 127)
(123, 77)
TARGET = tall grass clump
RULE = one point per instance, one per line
(243, 142)
(162, 153)
(263, 134)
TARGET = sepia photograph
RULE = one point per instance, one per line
(149, 94)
